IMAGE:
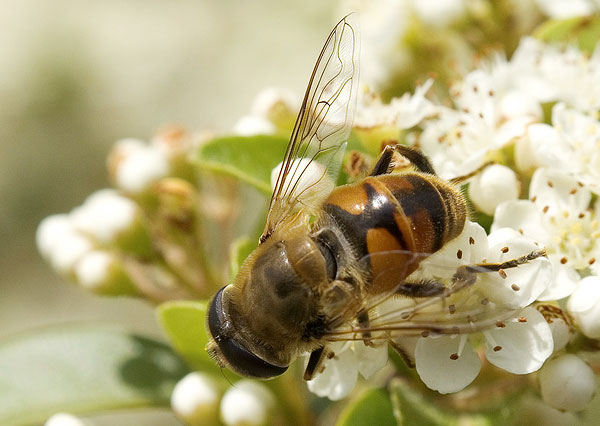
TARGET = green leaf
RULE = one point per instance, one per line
(238, 252)
(82, 369)
(582, 30)
(372, 407)
(183, 322)
(249, 159)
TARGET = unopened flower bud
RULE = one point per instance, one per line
(278, 106)
(50, 231)
(67, 251)
(246, 403)
(534, 412)
(64, 419)
(195, 399)
(105, 215)
(492, 186)
(250, 125)
(560, 333)
(173, 141)
(567, 383)
(134, 165)
(100, 272)
(584, 306)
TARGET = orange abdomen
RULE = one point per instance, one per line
(394, 221)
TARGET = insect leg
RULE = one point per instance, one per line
(363, 322)
(465, 275)
(460, 179)
(315, 361)
(423, 288)
(404, 354)
(415, 156)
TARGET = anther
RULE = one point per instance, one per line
(497, 348)
(471, 240)
(454, 357)
(425, 333)
(459, 254)
(502, 273)
(563, 260)
(522, 319)
(504, 249)
(515, 287)
(451, 309)
(500, 324)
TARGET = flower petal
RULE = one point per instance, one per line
(370, 359)
(438, 366)
(521, 215)
(523, 345)
(339, 377)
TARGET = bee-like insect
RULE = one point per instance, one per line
(329, 256)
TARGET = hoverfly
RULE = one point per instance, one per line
(329, 256)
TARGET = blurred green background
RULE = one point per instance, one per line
(75, 76)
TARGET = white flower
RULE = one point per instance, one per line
(449, 363)
(104, 215)
(135, 165)
(382, 25)
(250, 125)
(549, 72)
(584, 306)
(567, 8)
(559, 217)
(571, 144)
(567, 383)
(340, 373)
(439, 13)
(518, 344)
(458, 141)
(404, 112)
(247, 403)
(492, 186)
(195, 399)
(64, 419)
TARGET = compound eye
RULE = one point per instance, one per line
(240, 359)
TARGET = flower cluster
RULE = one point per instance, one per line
(540, 193)
(140, 238)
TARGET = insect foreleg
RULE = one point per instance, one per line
(385, 164)
(467, 274)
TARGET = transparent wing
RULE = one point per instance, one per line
(314, 154)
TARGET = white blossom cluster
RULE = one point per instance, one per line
(541, 193)
(97, 244)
